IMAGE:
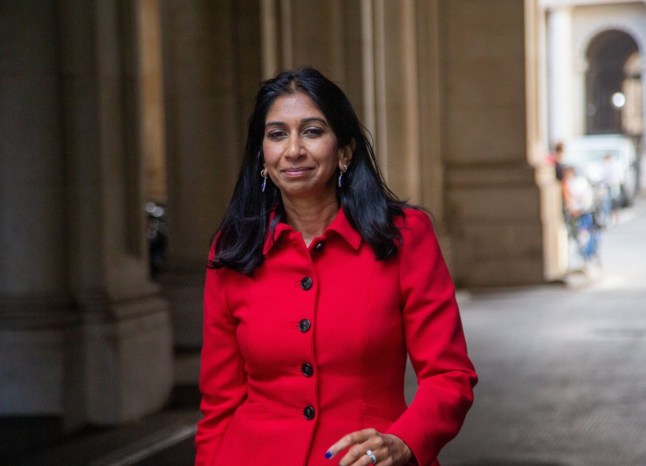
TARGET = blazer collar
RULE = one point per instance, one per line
(339, 226)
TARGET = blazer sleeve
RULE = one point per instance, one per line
(435, 343)
(222, 376)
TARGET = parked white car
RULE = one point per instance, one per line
(586, 154)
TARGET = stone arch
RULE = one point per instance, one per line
(606, 55)
(582, 42)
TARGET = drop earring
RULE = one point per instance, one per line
(342, 170)
(263, 186)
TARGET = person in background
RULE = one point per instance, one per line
(578, 195)
(612, 181)
(556, 159)
(578, 203)
(320, 283)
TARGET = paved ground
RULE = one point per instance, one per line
(562, 376)
(562, 369)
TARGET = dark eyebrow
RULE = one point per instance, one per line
(303, 121)
(314, 119)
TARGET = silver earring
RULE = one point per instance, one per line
(263, 186)
(342, 171)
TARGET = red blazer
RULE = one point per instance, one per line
(313, 346)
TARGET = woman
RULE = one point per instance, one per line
(320, 282)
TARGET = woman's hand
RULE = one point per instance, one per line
(388, 449)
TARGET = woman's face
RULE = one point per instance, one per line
(300, 149)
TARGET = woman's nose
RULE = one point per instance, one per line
(294, 148)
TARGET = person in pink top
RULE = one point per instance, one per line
(320, 283)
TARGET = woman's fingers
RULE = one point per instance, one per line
(348, 440)
(385, 449)
(358, 444)
(357, 455)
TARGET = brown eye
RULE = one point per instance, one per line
(275, 134)
(313, 132)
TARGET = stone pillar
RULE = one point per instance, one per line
(37, 317)
(385, 55)
(642, 146)
(371, 49)
(127, 336)
(555, 242)
(212, 69)
(84, 334)
(396, 105)
(493, 204)
(151, 99)
(324, 34)
(578, 99)
(430, 115)
(559, 68)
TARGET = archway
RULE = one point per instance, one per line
(613, 85)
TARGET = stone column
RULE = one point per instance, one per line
(84, 334)
(371, 49)
(578, 99)
(127, 337)
(324, 34)
(493, 204)
(555, 242)
(642, 146)
(212, 69)
(559, 68)
(396, 99)
(151, 99)
(430, 114)
(385, 55)
(37, 316)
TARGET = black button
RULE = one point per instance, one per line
(307, 369)
(304, 325)
(309, 412)
(319, 246)
(306, 283)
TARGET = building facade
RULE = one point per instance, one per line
(595, 67)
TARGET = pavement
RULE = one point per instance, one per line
(562, 368)
(562, 376)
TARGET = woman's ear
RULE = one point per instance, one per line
(346, 154)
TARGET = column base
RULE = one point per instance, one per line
(494, 217)
(129, 364)
(98, 369)
(184, 289)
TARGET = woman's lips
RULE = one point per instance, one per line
(296, 171)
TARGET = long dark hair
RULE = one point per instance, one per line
(367, 202)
